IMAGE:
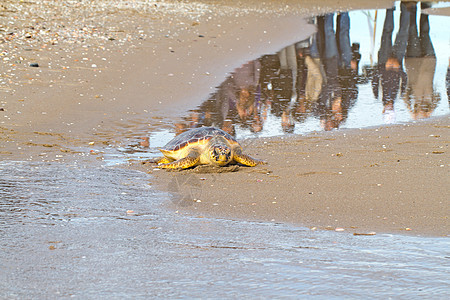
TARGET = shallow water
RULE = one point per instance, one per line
(65, 232)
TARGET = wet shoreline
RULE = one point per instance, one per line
(111, 123)
(357, 181)
(81, 216)
(108, 234)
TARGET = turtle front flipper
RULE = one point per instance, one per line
(189, 161)
(163, 160)
(247, 160)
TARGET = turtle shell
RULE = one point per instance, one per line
(196, 136)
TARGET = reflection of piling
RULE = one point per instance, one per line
(288, 61)
(372, 32)
(374, 35)
(447, 81)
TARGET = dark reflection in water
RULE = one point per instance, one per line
(318, 83)
(447, 81)
(415, 78)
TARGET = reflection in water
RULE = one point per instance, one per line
(420, 65)
(416, 83)
(316, 83)
(447, 81)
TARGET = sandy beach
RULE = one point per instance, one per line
(338, 214)
(114, 71)
(385, 180)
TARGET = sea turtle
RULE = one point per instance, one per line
(203, 146)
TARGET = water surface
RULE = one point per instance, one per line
(78, 231)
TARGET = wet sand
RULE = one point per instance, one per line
(109, 70)
(383, 180)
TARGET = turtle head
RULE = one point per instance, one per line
(220, 155)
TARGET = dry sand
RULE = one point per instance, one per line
(111, 70)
